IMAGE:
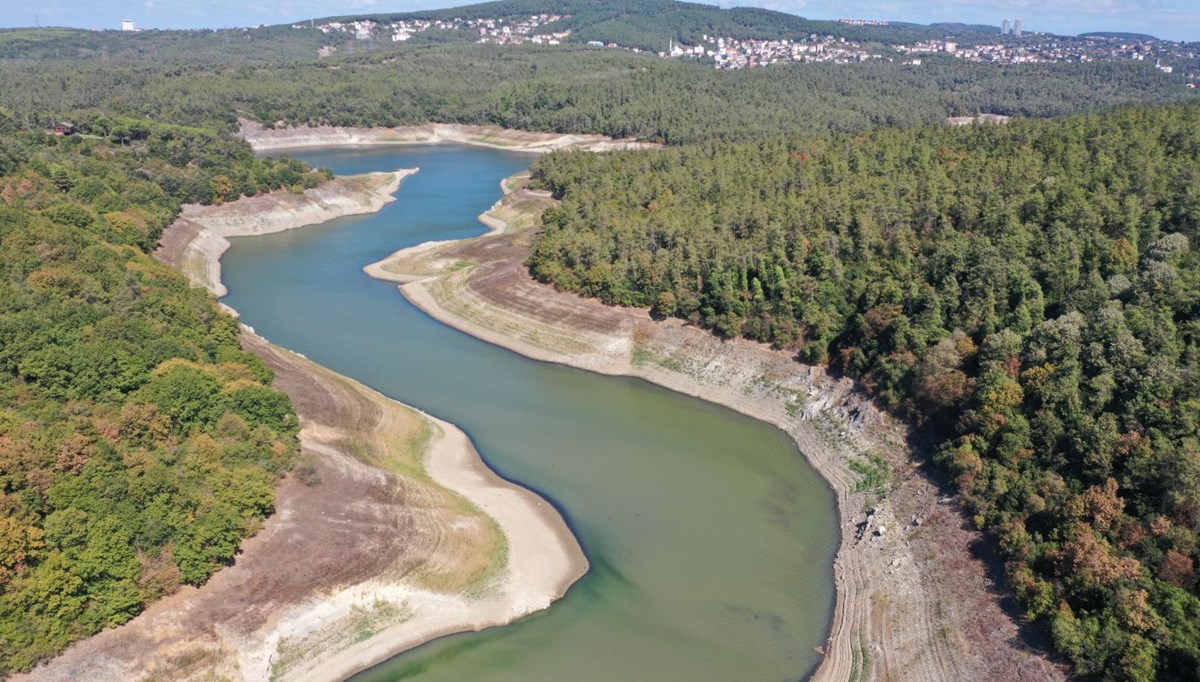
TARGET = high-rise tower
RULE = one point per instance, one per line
(1006, 28)
(1018, 28)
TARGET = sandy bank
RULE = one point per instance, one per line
(198, 238)
(541, 559)
(913, 599)
(406, 536)
(276, 139)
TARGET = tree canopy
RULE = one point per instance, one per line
(569, 89)
(138, 443)
(1029, 292)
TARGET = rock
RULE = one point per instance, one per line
(881, 530)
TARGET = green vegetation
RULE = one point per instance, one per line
(1029, 292)
(138, 443)
(874, 472)
(569, 89)
(1118, 35)
(228, 46)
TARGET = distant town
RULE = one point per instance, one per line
(498, 31)
(1012, 45)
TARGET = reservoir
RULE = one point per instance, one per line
(711, 539)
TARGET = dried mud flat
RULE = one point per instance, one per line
(398, 533)
(914, 599)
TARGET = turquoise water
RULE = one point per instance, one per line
(711, 539)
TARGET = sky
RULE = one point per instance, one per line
(1170, 19)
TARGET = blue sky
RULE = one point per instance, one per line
(1172, 19)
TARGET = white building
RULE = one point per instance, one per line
(127, 25)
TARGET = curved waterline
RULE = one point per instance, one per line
(711, 539)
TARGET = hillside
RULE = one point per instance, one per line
(1030, 293)
(268, 44)
(650, 24)
(138, 443)
(1118, 35)
(569, 88)
(647, 26)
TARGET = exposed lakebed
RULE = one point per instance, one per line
(711, 539)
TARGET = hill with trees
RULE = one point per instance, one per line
(568, 89)
(237, 45)
(138, 443)
(1030, 293)
(643, 24)
(650, 24)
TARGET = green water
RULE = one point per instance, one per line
(711, 539)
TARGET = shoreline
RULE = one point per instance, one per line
(195, 242)
(894, 613)
(312, 137)
(540, 545)
(444, 544)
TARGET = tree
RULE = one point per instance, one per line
(62, 179)
(190, 396)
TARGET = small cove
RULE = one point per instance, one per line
(711, 539)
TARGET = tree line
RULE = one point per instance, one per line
(1030, 293)
(570, 89)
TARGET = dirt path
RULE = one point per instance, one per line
(914, 601)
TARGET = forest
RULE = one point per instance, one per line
(138, 443)
(1027, 293)
(568, 89)
(274, 44)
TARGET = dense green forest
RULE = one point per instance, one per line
(571, 89)
(1029, 292)
(138, 443)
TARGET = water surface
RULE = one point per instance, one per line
(711, 539)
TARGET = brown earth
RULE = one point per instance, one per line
(916, 600)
